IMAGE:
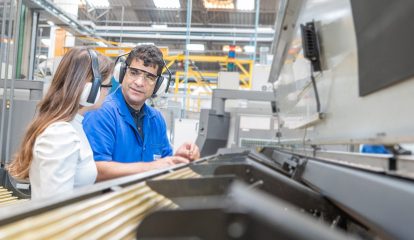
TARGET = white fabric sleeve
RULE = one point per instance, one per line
(55, 157)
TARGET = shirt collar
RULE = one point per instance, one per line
(123, 106)
(140, 113)
(78, 118)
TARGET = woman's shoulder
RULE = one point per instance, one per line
(60, 130)
(59, 139)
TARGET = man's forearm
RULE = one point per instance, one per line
(110, 170)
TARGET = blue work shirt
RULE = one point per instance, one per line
(376, 149)
(113, 134)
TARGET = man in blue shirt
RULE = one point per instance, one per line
(126, 135)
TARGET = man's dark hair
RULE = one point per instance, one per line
(149, 54)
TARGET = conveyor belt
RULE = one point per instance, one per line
(7, 198)
(111, 216)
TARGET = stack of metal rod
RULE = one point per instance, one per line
(7, 198)
(113, 215)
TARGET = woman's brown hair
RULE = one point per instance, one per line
(61, 102)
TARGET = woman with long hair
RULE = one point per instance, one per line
(55, 154)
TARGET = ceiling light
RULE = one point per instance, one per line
(167, 3)
(51, 23)
(145, 43)
(159, 26)
(45, 42)
(219, 4)
(101, 44)
(129, 44)
(99, 3)
(42, 57)
(265, 29)
(249, 49)
(195, 47)
(245, 5)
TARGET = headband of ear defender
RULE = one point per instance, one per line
(91, 92)
(121, 68)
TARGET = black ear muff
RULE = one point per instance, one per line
(160, 80)
(120, 63)
(97, 78)
(122, 71)
(157, 86)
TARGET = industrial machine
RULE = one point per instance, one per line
(342, 77)
(18, 105)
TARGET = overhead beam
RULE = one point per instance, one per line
(60, 18)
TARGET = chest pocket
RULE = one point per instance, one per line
(157, 150)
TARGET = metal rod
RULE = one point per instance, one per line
(3, 56)
(119, 213)
(33, 38)
(19, 47)
(187, 53)
(122, 24)
(14, 62)
(256, 26)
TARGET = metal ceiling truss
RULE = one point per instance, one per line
(60, 17)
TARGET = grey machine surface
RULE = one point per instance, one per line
(214, 126)
(296, 190)
(18, 103)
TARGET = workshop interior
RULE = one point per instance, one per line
(280, 96)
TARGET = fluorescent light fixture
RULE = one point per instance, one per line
(159, 26)
(166, 3)
(249, 49)
(145, 43)
(45, 42)
(44, 57)
(245, 5)
(101, 44)
(51, 23)
(265, 29)
(218, 4)
(195, 47)
(99, 3)
(128, 44)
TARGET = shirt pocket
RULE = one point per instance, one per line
(157, 150)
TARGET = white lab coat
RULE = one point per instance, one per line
(62, 160)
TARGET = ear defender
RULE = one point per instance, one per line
(85, 94)
(157, 86)
(121, 68)
(91, 91)
(122, 71)
(117, 75)
(160, 81)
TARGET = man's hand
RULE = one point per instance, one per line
(168, 162)
(189, 151)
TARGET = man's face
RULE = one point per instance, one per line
(139, 82)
